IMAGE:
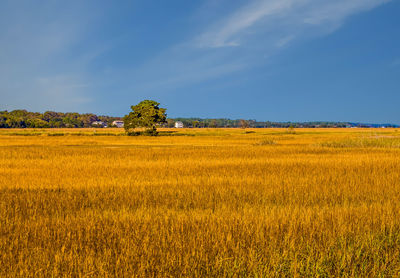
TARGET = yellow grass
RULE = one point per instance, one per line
(200, 202)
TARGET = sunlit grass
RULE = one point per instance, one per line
(366, 142)
(200, 202)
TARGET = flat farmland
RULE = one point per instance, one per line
(200, 202)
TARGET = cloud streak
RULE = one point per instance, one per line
(287, 15)
(243, 39)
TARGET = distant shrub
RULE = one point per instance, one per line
(266, 142)
(290, 130)
(147, 132)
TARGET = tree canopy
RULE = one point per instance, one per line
(146, 114)
(50, 119)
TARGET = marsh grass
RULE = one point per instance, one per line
(215, 204)
(266, 141)
(365, 142)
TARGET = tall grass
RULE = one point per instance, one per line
(365, 142)
(220, 204)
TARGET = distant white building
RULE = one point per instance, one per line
(178, 124)
(118, 123)
(99, 123)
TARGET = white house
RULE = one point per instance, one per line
(178, 124)
(118, 123)
(99, 123)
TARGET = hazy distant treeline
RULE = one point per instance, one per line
(198, 122)
(49, 119)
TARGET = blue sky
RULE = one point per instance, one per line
(277, 60)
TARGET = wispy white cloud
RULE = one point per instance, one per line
(178, 67)
(237, 40)
(225, 32)
(285, 40)
(321, 12)
(293, 16)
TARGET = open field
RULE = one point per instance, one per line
(200, 202)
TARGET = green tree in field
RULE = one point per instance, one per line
(195, 123)
(146, 114)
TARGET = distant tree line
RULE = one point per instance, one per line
(50, 119)
(241, 123)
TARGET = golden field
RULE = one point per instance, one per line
(200, 202)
